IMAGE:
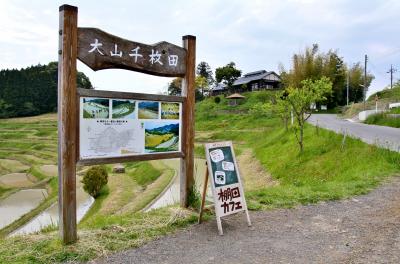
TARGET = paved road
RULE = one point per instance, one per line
(364, 229)
(387, 137)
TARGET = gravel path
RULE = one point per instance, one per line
(386, 137)
(365, 229)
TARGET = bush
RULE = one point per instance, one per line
(217, 100)
(94, 179)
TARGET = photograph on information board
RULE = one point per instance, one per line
(148, 110)
(161, 136)
(123, 109)
(96, 108)
(169, 110)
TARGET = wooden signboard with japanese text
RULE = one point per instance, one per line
(123, 126)
(225, 181)
(97, 127)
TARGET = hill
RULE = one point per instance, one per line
(388, 94)
(32, 90)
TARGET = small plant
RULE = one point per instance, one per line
(94, 179)
(194, 198)
(217, 99)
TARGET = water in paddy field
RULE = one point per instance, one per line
(50, 216)
(20, 203)
(170, 196)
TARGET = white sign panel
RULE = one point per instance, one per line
(124, 127)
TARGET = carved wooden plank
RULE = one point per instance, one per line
(153, 156)
(188, 91)
(67, 122)
(125, 95)
(100, 50)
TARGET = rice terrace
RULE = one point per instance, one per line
(161, 136)
(123, 109)
(96, 108)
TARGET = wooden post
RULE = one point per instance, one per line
(203, 197)
(188, 92)
(67, 122)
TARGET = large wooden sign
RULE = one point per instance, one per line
(96, 127)
(100, 50)
(225, 181)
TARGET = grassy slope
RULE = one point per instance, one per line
(391, 94)
(386, 96)
(325, 171)
(384, 119)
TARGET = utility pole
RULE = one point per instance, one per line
(347, 87)
(365, 78)
(391, 71)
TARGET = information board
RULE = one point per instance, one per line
(225, 180)
(111, 127)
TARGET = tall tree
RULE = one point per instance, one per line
(204, 70)
(313, 64)
(227, 74)
(174, 87)
(300, 99)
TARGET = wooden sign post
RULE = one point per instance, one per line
(226, 185)
(100, 50)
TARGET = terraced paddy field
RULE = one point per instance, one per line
(28, 170)
(29, 182)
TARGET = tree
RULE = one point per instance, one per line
(204, 70)
(313, 64)
(32, 90)
(356, 82)
(227, 74)
(94, 179)
(201, 84)
(174, 87)
(300, 99)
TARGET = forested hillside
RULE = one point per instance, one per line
(32, 91)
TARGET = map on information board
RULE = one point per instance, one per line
(123, 127)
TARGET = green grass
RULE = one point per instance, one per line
(144, 173)
(384, 119)
(3, 190)
(112, 233)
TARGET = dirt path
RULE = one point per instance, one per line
(364, 229)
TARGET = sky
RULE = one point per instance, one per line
(254, 34)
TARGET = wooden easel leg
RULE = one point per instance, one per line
(219, 224)
(248, 218)
(203, 198)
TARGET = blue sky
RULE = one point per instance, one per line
(254, 34)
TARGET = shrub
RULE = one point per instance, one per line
(217, 100)
(94, 179)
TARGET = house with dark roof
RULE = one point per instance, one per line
(252, 81)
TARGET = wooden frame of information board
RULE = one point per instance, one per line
(226, 184)
(100, 50)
